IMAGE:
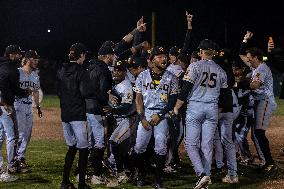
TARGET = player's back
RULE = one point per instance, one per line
(208, 78)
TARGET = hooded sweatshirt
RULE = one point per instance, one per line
(73, 88)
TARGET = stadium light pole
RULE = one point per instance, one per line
(153, 29)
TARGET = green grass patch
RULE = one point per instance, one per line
(50, 101)
(46, 159)
(280, 107)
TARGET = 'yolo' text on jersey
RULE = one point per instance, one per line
(153, 85)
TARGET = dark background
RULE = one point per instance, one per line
(25, 22)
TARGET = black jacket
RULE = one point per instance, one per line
(73, 88)
(101, 83)
(9, 81)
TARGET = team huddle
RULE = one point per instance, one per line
(128, 110)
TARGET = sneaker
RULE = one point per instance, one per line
(202, 182)
(122, 177)
(230, 179)
(113, 182)
(67, 186)
(5, 177)
(95, 180)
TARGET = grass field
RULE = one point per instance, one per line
(46, 158)
(46, 162)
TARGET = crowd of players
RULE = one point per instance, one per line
(131, 108)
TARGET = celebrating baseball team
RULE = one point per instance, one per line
(128, 110)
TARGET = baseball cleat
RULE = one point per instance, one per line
(95, 180)
(5, 177)
(202, 182)
(230, 179)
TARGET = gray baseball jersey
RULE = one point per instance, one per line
(28, 81)
(156, 93)
(175, 69)
(263, 73)
(124, 90)
(208, 78)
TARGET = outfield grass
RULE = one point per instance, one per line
(53, 101)
(280, 107)
(50, 101)
(46, 162)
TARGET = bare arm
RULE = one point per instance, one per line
(242, 54)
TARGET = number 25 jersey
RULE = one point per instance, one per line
(208, 78)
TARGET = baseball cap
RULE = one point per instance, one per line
(77, 49)
(156, 51)
(208, 44)
(174, 51)
(138, 61)
(185, 58)
(120, 65)
(104, 50)
(13, 49)
(32, 54)
(108, 44)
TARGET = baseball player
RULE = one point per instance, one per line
(29, 79)
(120, 110)
(156, 91)
(9, 88)
(101, 82)
(264, 102)
(224, 134)
(204, 81)
(74, 88)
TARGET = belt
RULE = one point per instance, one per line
(154, 108)
(23, 102)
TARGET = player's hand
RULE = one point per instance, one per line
(155, 119)
(188, 16)
(141, 26)
(113, 99)
(145, 124)
(248, 36)
(189, 20)
(39, 112)
(107, 109)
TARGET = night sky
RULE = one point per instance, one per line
(95, 21)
